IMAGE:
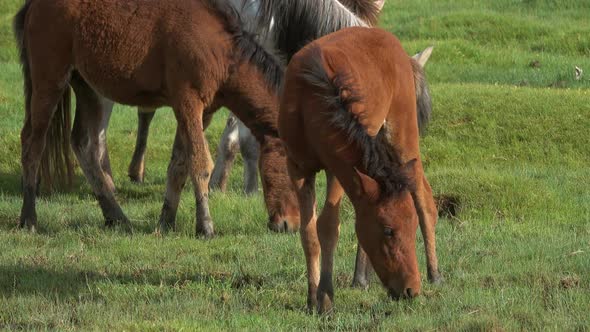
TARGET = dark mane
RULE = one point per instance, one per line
(247, 47)
(297, 22)
(380, 159)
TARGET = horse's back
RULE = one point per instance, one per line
(136, 52)
(376, 64)
(373, 68)
(383, 74)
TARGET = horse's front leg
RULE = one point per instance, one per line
(136, 170)
(189, 112)
(427, 215)
(177, 174)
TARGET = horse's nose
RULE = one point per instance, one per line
(278, 226)
(410, 293)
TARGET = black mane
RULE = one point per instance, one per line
(247, 47)
(380, 159)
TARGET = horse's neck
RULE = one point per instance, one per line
(251, 98)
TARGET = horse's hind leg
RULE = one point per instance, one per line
(137, 166)
(226, 154)
(427, 215)
(91, 110)
(328, 226)
(43, 102)
(250, 153)
(305, 187)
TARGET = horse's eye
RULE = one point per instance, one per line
(388, 232)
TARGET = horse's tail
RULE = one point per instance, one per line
(423, 100)
(56, 161)
(57, 167)
(341, 95)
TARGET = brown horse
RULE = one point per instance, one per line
(188, 54)
(355, 112)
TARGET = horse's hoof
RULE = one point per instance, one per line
(205, 235)
(165, 227)
(136, 178)
(436, 278)
(325, 304)
(126, 225)
(123, 223)
(360, 283)
(205, 231)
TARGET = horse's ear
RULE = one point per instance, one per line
(379, 4)
(423, 56)
(369, 186)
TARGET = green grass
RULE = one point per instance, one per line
(514, 152)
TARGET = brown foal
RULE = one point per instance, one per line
(355, 112)
(188, 54)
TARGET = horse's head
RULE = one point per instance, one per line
(279, 194)
(386, 229)
(283, 211)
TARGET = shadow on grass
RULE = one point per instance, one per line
(10, 183)
(18, 280)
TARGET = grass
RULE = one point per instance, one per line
(508, 140)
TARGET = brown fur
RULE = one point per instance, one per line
(187, 54)
(341, 109)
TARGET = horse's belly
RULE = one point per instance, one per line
(131, 81)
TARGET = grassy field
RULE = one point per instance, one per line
(509, 139)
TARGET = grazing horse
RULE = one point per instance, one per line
(192, 55)
(355, 112)
(236, 136)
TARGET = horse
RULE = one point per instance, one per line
(356, 113)
(191, 55)
(236, 136)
